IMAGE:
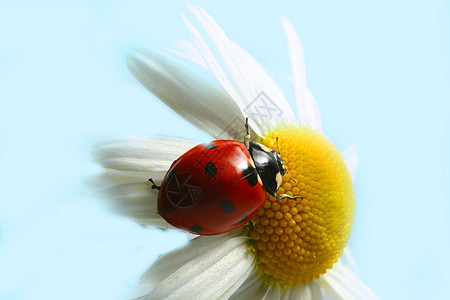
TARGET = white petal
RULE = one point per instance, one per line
(129, 197)
(172, 261)
(286, 295)
(316, 290)
(271, 293)
(252, 288)
(335, 288)
(302, 292)
(141, 154)
(275, 100)
(219, 74)
(200, 103)
(212, 274)
(307, 106)
(342, 283)
(351, 159)
(240, 75)
(136, 200)
(347, 260)
(187, 49)
(124, 187)
(111, 177)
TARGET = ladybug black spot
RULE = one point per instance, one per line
(227, 206)
(210, 169)
(196, 229)
(243, 219)
(210, 147)
(172, 175)
(251, 175)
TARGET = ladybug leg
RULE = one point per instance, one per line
(252, 226)
(154, 186)
(247, 137)
(282, 196)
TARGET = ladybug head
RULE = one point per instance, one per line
(269, 165)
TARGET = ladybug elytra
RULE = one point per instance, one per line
(218, 187)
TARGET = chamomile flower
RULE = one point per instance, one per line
(294, 248)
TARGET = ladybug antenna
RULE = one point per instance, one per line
(290, 176)
(247, 137)
(286, 169)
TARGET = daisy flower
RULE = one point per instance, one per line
(293, 248)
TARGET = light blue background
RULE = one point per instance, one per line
(380, 73)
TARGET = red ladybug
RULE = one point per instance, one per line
(218, 187)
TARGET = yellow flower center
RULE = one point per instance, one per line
(298, 240)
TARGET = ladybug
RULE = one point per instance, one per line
(218, 187)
